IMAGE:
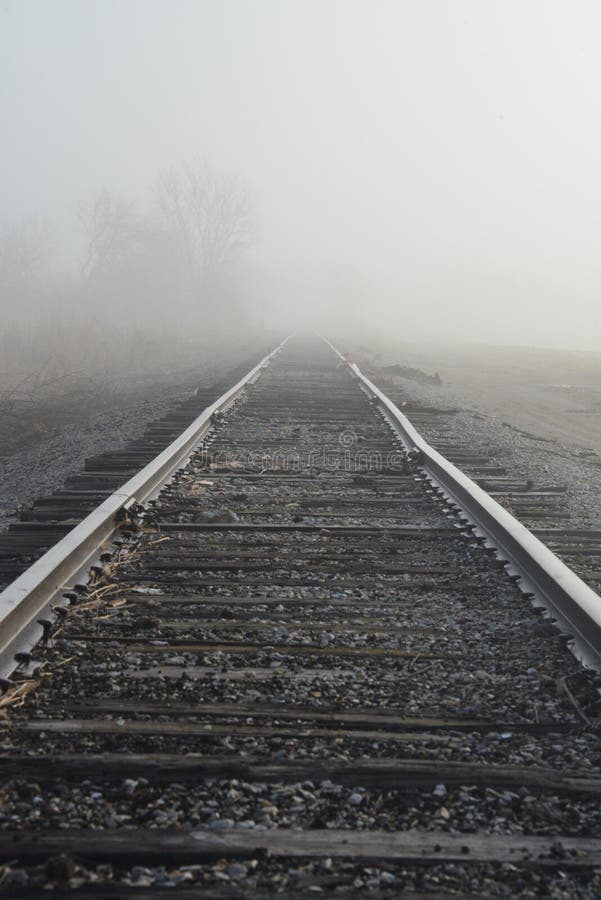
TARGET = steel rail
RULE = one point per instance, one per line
(29, 596)
(552, 584)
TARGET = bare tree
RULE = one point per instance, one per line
(209, 215)
(111, 230)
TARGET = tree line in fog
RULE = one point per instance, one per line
(163, 268)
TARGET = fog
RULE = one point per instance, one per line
(423, 168)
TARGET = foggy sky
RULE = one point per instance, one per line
(430, 164)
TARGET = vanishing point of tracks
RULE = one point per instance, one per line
(299, 671)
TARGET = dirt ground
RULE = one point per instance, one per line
(553, 394)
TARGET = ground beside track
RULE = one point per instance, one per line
(540, 408)
(85, 427)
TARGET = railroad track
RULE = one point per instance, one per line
(299, 667)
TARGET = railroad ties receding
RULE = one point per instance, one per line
(308, 677)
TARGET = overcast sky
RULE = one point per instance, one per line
(439, 160)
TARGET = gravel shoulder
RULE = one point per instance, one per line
(556, 394)
(43, 465)
(539, 409)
